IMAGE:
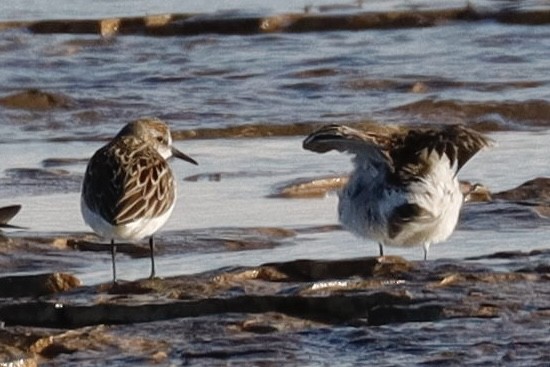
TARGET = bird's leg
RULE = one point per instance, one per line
(152, 250)
(381, 247)
(113, 260)
(426, 248)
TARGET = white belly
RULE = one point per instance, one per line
(367, 212)
(132, 231)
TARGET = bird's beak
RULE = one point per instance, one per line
(176, 153)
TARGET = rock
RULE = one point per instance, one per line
(241, 314)
(311, 270)
(537, 189)
(36, 285)
(310, 187)
(34, 99)
(14, 357)
(7, 213)
(394, 314)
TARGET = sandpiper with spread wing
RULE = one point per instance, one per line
(404, 189)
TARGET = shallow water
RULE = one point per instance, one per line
(456, 72)
(240, 199)
(485, 74)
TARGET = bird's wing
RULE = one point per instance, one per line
(122, 185)
(406, 214)
(365, 145)
(412, 153)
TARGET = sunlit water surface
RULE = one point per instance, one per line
(252, 169)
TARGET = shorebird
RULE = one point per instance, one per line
(404, 189)
(129, 190)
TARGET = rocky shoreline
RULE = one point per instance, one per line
(194, 24)
(51, 318)
(270, 299)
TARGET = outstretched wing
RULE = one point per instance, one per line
(369, 146)
(412, 154)
(125, 183)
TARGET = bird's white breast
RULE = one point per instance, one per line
(133, 231)
(368, 201)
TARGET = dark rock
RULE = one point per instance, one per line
(382, 315)
(36, 285)
(7, 213)
(21, 346)
(311, 270)
(234, 313)
(35, 99)
(537, 189)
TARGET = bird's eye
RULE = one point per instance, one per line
(160, 139)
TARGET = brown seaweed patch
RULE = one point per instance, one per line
(489, 115)
(34, 99)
